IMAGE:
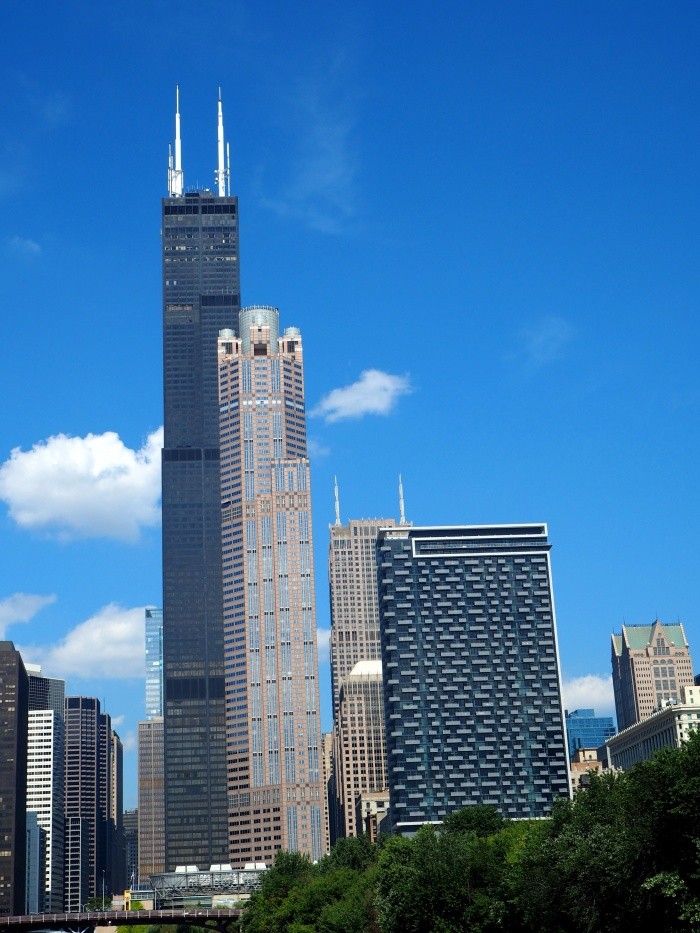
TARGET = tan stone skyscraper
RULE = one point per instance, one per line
(358, 763)
(273, 729)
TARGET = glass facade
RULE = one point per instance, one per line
(154, 663)
(200, 297)
(586, 730)
(472, 697)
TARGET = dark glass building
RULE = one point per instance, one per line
(14, 713)
(472, 698)
(201, 296)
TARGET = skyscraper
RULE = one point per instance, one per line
(355, 640)
(154, 662)
(201, 295)
(46, 775)
(472, 699)
(650, 664)
(586, 730)
(93, 765)
(272, 697)
(151, 785)
(14, 711)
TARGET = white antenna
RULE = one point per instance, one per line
(402, 511)
(175, 175)
(337, 501)
(221, 172)
(228, 171)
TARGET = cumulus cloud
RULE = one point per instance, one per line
(84, 487)
(23, 245)
(374, 393)
(108, 646)
(592, 691)
(129, 742)
(316, 449)
(21, 607)
(545, 341)
(323, 640)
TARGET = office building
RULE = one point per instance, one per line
(667, 727)
(131, 837)
(35, 865)
(154, 663)
(151, 800)
(272, 696)
(14, 712)
(201, 295)
(359, 749)
(586, 730)
(650, 664)
(46, 776)
(472, 698)
(93, 765)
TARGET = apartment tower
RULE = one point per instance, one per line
(472, 698)
(650, 664)
(272, 696)
(201, 295)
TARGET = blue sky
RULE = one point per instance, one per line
(484, 219)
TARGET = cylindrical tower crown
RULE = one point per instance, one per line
(261, 316)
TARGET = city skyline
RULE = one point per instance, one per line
(542, 224)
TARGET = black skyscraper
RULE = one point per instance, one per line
(201, 296)
(14, 712)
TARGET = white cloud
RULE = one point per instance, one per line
(108, 646)
(84, 487)
(374, 393)
(21, 607)
(545, 341)
(316, 449)
(591, 691)
(323, 641)
(24, 245)
(129, 742)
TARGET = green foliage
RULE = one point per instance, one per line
(623, 855)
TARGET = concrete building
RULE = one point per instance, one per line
(14, 714)
(667, 727)
(650, 664)
(359, 751)
(201, 295)
(46, 776)
(370, 810)
(583, 762)
(272, 696)
(586, 730)
(151, 800)
(131, 837)
(472, 697)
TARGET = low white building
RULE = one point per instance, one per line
(667, 727)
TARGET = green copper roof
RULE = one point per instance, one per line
(641, 636)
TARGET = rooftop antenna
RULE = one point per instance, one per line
(402, 511)
(228, 171)
(175, 175)
(337, 501)
(221, 171)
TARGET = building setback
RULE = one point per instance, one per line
(650, 665)
(272, 696)
(201, 295)
(14, 712)
(472, 697)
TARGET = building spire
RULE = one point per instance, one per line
(175, 174)
(402, 511)
(222, 172)
(337, 501)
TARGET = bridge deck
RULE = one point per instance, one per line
(194, 916)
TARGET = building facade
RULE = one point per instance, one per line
(154, 662)
(667, 727)
(272, 695)
(586, 730)
(131, 837)
(201, 295)
(650, 665)
(46, 776)
(472, 697)
(359, 751)
(14, 714)
(151, 800)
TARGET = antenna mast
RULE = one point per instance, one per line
(221, 171)
(337, 501)
(402, 511)
(175, 174)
